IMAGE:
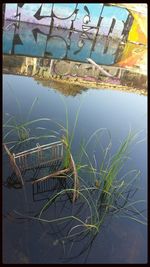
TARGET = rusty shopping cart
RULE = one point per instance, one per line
(49, 156)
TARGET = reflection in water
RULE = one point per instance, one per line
(107, 33)
(101, 43)
(34, 40)
(69, 225)
(41, 224)
(66, 89)
(72, 78)
(73, 239)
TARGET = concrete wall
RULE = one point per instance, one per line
(88, 18)
(109, 34)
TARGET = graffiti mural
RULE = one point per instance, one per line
(71, 32)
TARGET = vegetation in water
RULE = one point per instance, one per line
(109, 191)
(110, 194)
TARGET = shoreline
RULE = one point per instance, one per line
(81, 82)
(95, 84)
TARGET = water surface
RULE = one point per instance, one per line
(121, 240)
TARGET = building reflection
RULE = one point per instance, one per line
(70, 77)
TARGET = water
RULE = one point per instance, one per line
(120, 240)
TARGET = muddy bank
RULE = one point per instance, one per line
(73, 86)
(72, 78)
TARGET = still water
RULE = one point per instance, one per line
(120, 240)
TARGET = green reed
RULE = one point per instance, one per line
(107, 193)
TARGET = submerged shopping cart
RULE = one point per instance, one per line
(44, 157)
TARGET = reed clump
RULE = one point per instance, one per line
(107, 193)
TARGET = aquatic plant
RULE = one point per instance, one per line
(113, 196)
(105, 180)
(20, 127)
(107, 193)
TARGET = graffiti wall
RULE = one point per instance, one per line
(108, 34)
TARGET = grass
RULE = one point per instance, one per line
(67, 137)
(107, 193)
(23, 133)
(114, 196)
(111, 197)
(20, 128)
